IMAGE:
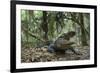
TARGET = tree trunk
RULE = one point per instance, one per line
(83, 33)
(45, 26)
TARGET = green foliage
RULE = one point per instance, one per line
(57, 24)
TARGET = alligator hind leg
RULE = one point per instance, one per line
(73, 50)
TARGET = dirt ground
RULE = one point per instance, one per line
(29, 55)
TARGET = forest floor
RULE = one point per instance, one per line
(29, 55)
